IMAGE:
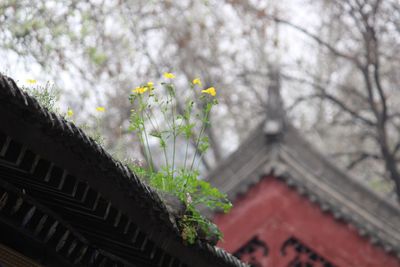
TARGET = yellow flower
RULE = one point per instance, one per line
(140, 90)
(100, 109)
(168, 75)
(31, 81)
(150, 86)
(210, 91)
(70, 112)
(197, 81)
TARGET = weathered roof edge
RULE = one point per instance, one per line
(61, 131)
(89, 253)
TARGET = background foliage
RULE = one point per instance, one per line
(339, 62)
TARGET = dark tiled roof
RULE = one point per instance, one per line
(43, 225)
(288, 156)
(101, 200)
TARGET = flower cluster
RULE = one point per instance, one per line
(179, 125)
(150, 86)
(142, 89)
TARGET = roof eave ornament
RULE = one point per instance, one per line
(275, 120)
(273, 127)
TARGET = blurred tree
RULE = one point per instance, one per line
(106, 48)
(341, 81)
(353, 81)
(358, 41)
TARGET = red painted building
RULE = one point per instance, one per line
(293, 207)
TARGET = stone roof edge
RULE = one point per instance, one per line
(58, 221)
(346, 176)
(126, 177)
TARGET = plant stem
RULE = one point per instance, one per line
(186, 151)
(203, 127)
(146, 143)
(169, 126)
(174, 142)
(157, 128)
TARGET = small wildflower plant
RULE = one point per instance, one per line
(180, 180)
(45, 94)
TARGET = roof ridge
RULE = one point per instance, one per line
(59, 123)
(348, 176)
(275, 118)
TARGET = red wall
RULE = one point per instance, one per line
(274, 212)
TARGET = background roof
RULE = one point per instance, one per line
(276, 147)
